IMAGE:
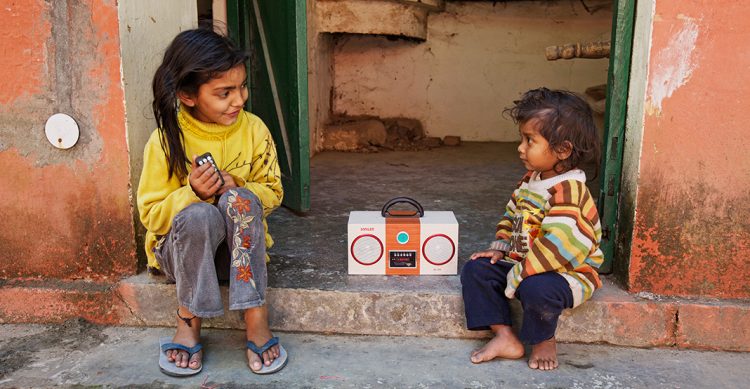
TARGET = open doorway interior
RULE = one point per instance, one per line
(397, 87)
(476, 58)
(399, 111)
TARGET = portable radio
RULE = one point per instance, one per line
(403, 242)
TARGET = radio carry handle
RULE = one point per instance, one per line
(396, 200)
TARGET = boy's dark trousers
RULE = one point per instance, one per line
(543, 297)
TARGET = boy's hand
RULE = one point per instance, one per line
(204, 180)
(493, 255)
(228, 183)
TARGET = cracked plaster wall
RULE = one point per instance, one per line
(477, 59)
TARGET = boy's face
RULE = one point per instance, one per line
(221, 99)
(534, 150)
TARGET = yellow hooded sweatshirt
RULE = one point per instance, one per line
(244, 149)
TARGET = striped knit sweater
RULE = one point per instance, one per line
(552, 225)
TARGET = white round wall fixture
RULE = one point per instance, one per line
(62, 131)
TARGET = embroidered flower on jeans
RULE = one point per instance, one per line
(244, 273)
(238, 209)
(246, 241)
(241, 205)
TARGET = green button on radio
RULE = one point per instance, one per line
(402, 237)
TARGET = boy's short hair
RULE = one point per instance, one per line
(564, 117)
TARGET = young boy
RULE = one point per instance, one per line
(547, 243)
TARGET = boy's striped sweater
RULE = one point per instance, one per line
(552, 225)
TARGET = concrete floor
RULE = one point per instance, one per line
(78, 354)
(474, 180)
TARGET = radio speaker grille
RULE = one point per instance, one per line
(438, 249)
(367, 249)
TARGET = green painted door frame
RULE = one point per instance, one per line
(275, 33)
(618, 79)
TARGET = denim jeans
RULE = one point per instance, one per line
(188, 253)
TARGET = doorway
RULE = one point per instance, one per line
(389, 78)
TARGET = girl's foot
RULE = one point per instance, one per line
(505, 344)
(188, 336)
(258, 332)
(544, 355)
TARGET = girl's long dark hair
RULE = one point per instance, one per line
(193, 58)
(565, 118)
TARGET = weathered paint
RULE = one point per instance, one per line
(631, 147)
(66, 213)
(477, 59)
(673, 64)
(723, 326)
(320, 81)
(691, 234)
(25, 29)
(146, 28)
(372, 17)
(56, 302)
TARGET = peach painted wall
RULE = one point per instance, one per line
(65, 213)
(691, 234)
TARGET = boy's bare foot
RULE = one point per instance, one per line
(188, 336)
(505, 344)
(544, 355)
(258, 332)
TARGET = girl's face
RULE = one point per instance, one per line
(535, 152)
(221, 99)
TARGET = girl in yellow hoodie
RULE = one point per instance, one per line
(206, 222)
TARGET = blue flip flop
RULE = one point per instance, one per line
(169, 368)
(277, 363)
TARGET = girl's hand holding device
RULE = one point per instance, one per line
(209, 180)
(205, 178)
(208, 158)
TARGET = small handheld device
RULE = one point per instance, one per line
(208, 158)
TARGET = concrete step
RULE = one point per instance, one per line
(392, 306)
(408, 306)
(77, 354)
